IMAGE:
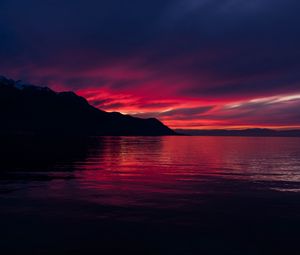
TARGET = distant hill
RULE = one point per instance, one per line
(256, 132)
(29, 109)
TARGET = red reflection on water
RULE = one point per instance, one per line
(173, 170)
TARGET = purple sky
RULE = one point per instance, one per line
(192, 64)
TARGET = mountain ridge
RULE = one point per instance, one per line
(30, 109)
(250, 132)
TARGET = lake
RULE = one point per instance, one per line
(150, 195)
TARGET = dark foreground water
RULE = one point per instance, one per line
(150, 195)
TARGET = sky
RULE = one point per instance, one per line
(193, 64)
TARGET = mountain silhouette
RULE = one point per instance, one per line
(254, 132)
(29, 109)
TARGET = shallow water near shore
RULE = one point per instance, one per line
(150, 195)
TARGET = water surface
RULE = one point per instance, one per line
(150, 195)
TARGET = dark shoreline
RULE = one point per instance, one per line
(252, 221)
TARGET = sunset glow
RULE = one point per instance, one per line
(191, 64)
